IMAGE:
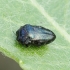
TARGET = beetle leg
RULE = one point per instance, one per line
(26, 45)
(28, 41)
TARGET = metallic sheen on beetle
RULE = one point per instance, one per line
(35, 35)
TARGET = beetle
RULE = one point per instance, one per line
(35, 35)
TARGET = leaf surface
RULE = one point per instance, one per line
(54, 15)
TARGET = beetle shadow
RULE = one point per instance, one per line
(32, 49)
(39, 50)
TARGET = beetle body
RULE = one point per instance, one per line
(36, 35)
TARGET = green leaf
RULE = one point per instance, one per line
(51, 14)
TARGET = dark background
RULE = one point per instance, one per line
(7, 63)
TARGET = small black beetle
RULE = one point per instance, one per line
(36, 35)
